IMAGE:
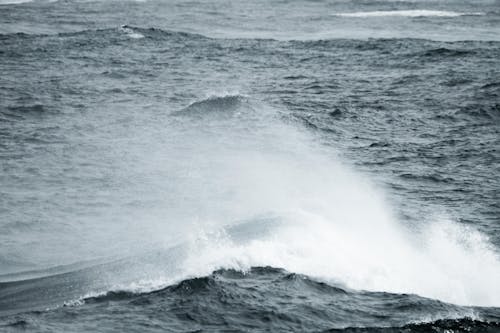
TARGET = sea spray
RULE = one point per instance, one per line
(331, 223)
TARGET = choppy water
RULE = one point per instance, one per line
(250, 166)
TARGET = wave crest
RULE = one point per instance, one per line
(221, 105)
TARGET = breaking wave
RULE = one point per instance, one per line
(257, 190)
(327, 221)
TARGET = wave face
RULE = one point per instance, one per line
(262, 297)
(157, 177)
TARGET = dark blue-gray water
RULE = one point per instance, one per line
(250, 166)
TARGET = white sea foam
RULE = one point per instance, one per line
(362, 247)
(407, 13)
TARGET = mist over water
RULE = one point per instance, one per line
(238, 160)
(194, 166)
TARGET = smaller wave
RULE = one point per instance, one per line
(446, 52)
(103, 297)
(21, 112)
(34, 108)
(491, 85)
(157, 33)
(131, 32)
(408, 13)
(215, 104)
(481, 111)
(431, 178)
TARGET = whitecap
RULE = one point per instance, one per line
(407, 13)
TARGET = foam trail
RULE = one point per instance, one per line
(407, 13)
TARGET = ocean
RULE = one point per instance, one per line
(250, 166)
